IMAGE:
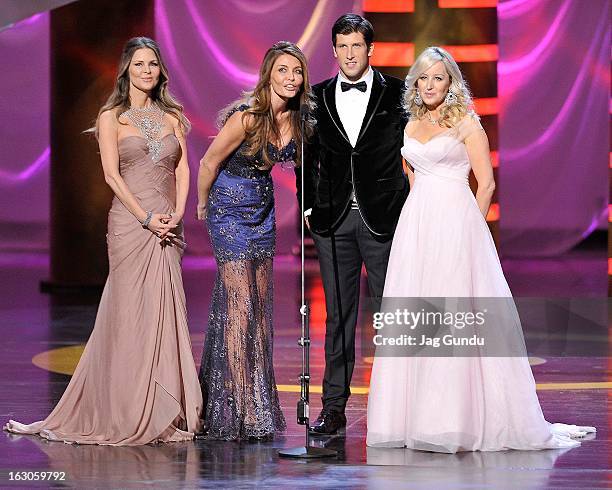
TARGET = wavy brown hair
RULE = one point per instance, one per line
(258, 119)
(120, 97)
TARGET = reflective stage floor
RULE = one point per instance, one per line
(43, 336)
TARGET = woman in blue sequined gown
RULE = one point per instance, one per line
(236, 198)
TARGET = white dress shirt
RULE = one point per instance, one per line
(352, 104)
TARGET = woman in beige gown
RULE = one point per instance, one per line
(136, 382)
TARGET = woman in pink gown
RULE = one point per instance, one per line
(442, 248)
(136, 382)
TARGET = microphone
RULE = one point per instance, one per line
(303, 407)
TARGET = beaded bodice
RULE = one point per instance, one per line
(150, 122)
(243, 165)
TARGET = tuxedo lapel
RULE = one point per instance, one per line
(329, 100)
(378, 89)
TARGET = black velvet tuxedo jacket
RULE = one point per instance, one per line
(373, 167)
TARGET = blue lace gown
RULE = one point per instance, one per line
(236, 374)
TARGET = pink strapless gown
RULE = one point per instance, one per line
(136, 381)
(443, 248)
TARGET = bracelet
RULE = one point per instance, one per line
(147, 220)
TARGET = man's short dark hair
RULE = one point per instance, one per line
(349, 23)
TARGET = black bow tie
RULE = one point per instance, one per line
(361, 86)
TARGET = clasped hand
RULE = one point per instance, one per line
(162, 224)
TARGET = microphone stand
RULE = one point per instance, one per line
(303, 406)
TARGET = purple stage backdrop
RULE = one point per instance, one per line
(24, 134)
(553, 90)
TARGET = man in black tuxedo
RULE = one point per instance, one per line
(354, 191)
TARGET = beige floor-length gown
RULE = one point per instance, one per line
(136, 381)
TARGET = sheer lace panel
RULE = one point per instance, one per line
(237, 375)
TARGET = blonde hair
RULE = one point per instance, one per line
(449, 114)
(120, 97)
(261, 124)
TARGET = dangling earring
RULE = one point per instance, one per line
(417, 100)
(450, 98)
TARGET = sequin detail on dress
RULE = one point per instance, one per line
(150, 121)
(236, 374)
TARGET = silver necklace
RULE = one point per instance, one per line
(150, 121)
(431, 119)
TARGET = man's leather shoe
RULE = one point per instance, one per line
(328, 422)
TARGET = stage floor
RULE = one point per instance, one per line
(43, 336)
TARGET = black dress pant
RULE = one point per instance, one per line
(341, 256)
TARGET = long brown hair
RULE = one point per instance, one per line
(120, 97)
(261, 125)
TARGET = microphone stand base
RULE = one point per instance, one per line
(307, 452)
